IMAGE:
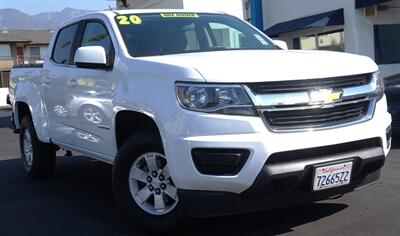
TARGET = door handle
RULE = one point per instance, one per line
(72, 83)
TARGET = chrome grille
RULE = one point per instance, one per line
(316, 117)
(291, 106)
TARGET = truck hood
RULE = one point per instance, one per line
(269, 65)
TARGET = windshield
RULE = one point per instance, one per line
(173, 33)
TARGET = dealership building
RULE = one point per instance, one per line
(365, 27)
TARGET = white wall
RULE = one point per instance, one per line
(233, 7)
(3, 96)
(5, 50)
(366, 24)
(293, 9)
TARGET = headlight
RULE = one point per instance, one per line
(380, 86)
(220, 99)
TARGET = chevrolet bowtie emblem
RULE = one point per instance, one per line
(325, 96)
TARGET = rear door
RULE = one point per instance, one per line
(55, 87)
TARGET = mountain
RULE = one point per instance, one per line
(56, 18)
(13, 19)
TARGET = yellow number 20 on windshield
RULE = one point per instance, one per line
(133, 19)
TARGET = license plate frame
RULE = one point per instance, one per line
(335, 167)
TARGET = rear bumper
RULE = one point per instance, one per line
(276, 190)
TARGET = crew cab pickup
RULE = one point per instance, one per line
(201, 114)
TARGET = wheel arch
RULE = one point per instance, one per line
(23, 108)
(128, 122)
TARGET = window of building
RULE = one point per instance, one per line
(4, 79)
(34, 52)
(308, 43)
(332, 41)
(5, 51)
(62, 49)
(387, 46)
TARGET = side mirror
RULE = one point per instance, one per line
(281, 44)
(91, 57)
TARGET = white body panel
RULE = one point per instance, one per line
(270, 65)
(147, 85)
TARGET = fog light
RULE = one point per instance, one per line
(219, 161)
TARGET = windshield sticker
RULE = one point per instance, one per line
(179, 15)
(133, 19)
(262, 41)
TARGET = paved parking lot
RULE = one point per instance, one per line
(78, 201)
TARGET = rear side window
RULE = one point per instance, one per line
(63, 45)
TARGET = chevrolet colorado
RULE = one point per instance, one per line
(201, 114)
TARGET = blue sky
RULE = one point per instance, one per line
(37, 6)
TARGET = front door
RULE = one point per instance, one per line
(20, 55)
(90, 102)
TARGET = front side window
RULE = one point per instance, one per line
(63, 45)
(387, 46)
(173, 33)
(95, 34)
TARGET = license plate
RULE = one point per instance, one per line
(332, 176)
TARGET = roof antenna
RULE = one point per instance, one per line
(109, 7)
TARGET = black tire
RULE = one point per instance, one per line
(133, 148)
(43, 154)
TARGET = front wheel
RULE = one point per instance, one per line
(143, 186)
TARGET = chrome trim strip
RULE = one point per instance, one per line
(302, 98)
(305, 107)
(282, 168)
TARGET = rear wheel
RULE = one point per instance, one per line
(38, 158)
(143, 186)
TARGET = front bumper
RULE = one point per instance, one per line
(288, 183)
(210, 203)
(189, 130)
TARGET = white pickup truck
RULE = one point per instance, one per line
(201, 114)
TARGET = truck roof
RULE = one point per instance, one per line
(143, 11)
(111, 14)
